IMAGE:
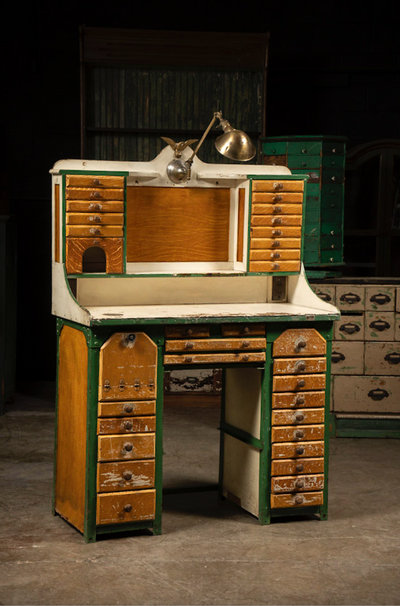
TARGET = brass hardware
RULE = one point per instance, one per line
(299, 499)
(300, 467)
(128, 446)
(300, 366)
(277, 209)
(246, 344)
(301, 383)
(127, 475)
(128, 424)
(128, 408)
(189, 345)
(277, 232)
(128, 508)
(277, 221)
(300, 484)
(278, 186)
(332, 246)
(332, 233)
(277, 198)
(245, 358)
(300, 344)
(276, 244)
(298, 417)
(299, 400)
(188, 358)
(300, 450)
(333, 178)
(299, 434)
(136, 384)
(106, 386)
(96, 182)
(334, 151)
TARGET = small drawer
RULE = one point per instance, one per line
(382, 358)
(332, 175)
(95, 195)
(187, 345)
(284, 254)
(303, 483)
(217, 358)
(237, 330)
(277, 198)
(366, 394)
(272, 148)
(121, 448)
(94, 231)
(294, 450)
(324, 292)
(298, 383)
(298, 417)
(122, 507)
(94, 219)
(290, 467)
(333, 148)
(379, 326)
(275, 232)
(304, 148)
(380, 298)
(350, 298)
(276, 209)
(125, 475)
(272, 221)
(294, 365)
(104, 181)
(303, 499)
(347, 358)
(304, 161)
(309, 399)
(278, 186)
(192, 330)
(289, 434)
(126, 425)
(79, 206)
(349, 328)
(122, 409)
(274, 266)
(279, 160)
(305, 342)
(275, 244)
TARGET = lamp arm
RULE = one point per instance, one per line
(216, 115)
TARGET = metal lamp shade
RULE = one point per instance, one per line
(235, 144)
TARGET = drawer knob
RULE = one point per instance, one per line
(276, 232)
(95, 231)
(275, 255)
(93, 206)
(304, 151)
(189, 345)
(300, 344)
(127, 475)
(189, 331)
(278, 186)
(128, 425)
(277, 198)
(298, 417)
(128, 507)
(95, 194)
(245, 343)
(97, 219)
(276, 244)
(299, 499)
(299, 401)
(300, 450)
(246, 330)
(300, 366)
(277, 209)
(188, 359)
(277, 221)
(300, 484)
(300, 383)
(96, 182)
(299, 434)
(275, 266)
(300, 467)
(128, 446)
(245, 358)
(128, 408)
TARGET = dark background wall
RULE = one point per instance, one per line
(333, 70)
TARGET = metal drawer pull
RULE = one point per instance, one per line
(128, 408)
(298, 417)
(96, 182)
(299, 434)
(393, 358)
(275, 255)
(299, 400)
(277, 232)
(380, 325)
(188, 359)
(299, 499)
(276, 244)
(300, 344)
(349, 328)
(246, 330)
(300, 450)
(350, 298)
(278, 186)
(337, 357)
(189, 345)
(300, 366)
(128, 446)
(127, 475)
(245, 358)
(277, 209)
(95, 206)
(378, 394)
(95, 231)
(304, 151)
(275, 266)
(189, 331)
(95, 194)
(300, 484)
(325, 296)
(246, 344)
(301, 383)
(277, 198)
(128, 425)
(380, 299)
(128, 508)
(300, 467)
(277, 221)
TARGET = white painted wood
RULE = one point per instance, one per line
(382, 358)
(352, 358)
(382, 293)
(64, 304)
(355, 394)
(243, 399)
(300, 292)
(241, 470)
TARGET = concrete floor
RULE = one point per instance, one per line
(210, 552)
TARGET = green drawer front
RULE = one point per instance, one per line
(333, 162)
(331, 190)
(313, 203)
(303, 148)
(310, 257)
(304, 161)
(328, 241)
(332, 215)
(334, 148)
(313, 176)
(312, 216)
(331, 229)
(274, 148)
(331, 256)
(311, 243)
(332, 175)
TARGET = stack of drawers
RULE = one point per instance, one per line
(126, 430)
(298, 413)
(276, 219)
(94, 218)
(198, 348)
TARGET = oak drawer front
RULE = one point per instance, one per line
(274, 266)
(298, 417)
(275, 255)
(125, 475)
(310, 399)
(97, 231)
(298, 383)
(275, 244)
(297, 483)
(215, 344)
(276, 209)
(126, 425)
(76, 247)
(377, 394)
(278, 186)
(122, 507)
(95, 219)
(299, 342)
(218, 358)
(140, 390)
(238, 330)
(79, 193)
(379, 326)
(79, 206)
(382, 358)
(104, 181)
(290, 467)
(277, 198)
(350, 328)
(380, 298)
(347, 357)
(122, 409)
(305, 432)
(294, 450)
(303, 499)
(121, 448)
(194, 330)
(275, 232)
(271, 221)
(294, 365)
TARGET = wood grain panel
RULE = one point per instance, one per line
(240, 232)
(218, 358)
(311, 399)
(303, 499)
(298, 382)
(113, 248)
(82, 206)
(276, 232)
(299, 342)
(294, 450)
(125, 475)
(166, 224)
(72, 387)
(305, 432)
(236, 330)
(302, 483)
(121, 409)
(126, 425)
(96, 195)
(274, 266)
(94, 231)
(273, 198)
(294, 365)
(278, 186)
(126, 448)
(215, 344)
(291, 467)
(122, 507)
(94, 219)
(106, 181)
(298, 417)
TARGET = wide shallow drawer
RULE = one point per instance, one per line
(121, 409)
(298, 383)
(120, 507)
(274, 255)
(291, 450)
(298, 417)
(305, 432)
(278, 186)
(297, 483)
(98, 231)
(374, 394)
(274, 266)
(215, 344)
(106, 181)
(290, 467)
(276, 209)
(274, 198)
(276, 232)
(303, 499)
(192, 330)
(125, 475)
(79, 193)
(270, 220)
(80, 206)
(347, 358)
(310, 399)
(95, 219)
(294, 365)
(132, 447)
(299, 342)
(236, 330)
(219, 358)
(275, 244)
(382, 358)
(126, 425)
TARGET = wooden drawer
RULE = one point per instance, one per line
(106, 181)
(298, 383)
(350, 328)
(382, 358)
(291, 450)
(277, 198)
(79, 206)
(275, 255)
(289, 433)
(274, 266)
(121, 448)
(272, 243)
(294, 365)
(299, 342)
(192, 330)
(98, 231)
(126, 425)
(79, 193)
(298, 417)
(275, 232)
(122, 507)
(271, 221)
(113, 249)
(217, 358)
(215, 344)
(125, 475)
(297, 483)
(278, 186)
(122, 409)
(92, 219)
(236, 330)
(276, 209)
(309, 399)
(303, 499)
(290, 467)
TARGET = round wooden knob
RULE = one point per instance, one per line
(96, 182)
(300, 450)
(128, 408)
(300, 484)
(95, 194)
(128, 425)
(276, 232)
(299, 499)
(300, 467)
(299, 434)
(275, 266)
(277, 209)
(277, 221)
(276, 198)
(128, 446)
(278, 186)
(128, 508)
(276, 255)
(127, 475)
(189, 345)
(276, 244)
(299, 401)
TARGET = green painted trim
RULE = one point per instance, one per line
(114, 528)
(368, 428)
(157, 525)
(332, 424)
(264, 516)
(324, 506)
(241, 435)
